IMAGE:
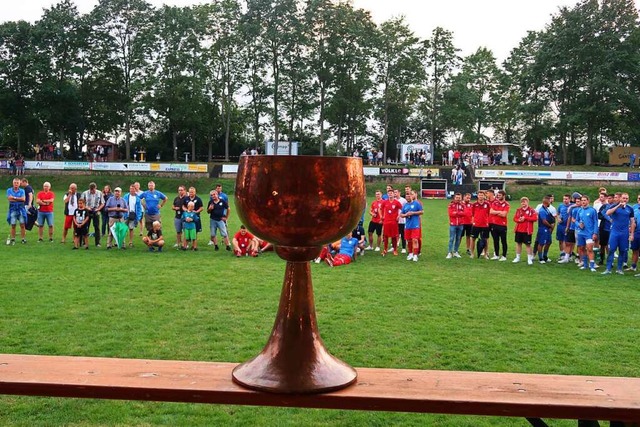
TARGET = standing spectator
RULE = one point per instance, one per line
(17, 214)
(375, 224)
(587, 233)
(456, 215)
(450, 157)
(134, 213)
(45, 199)
(217, 213)
(153, 201)
(498, 220)
(623, 228)
(106, 195)
(390, 210)
(139, 193)
(81, 226)
(116, 207)
(178, 209)
(94, 202)
(198, 206)
(524, 218)
(632, 160)
(28, 193)
(70, 205)
(189, 217)
(380, 158)
(19, 164)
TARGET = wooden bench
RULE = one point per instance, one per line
(532, 396)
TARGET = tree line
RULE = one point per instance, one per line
(216, 78)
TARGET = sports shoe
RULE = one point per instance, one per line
(529, 262)
(449, 255)
(486, 256)
(216, 247)
(210, 243)
(606, 272)
(50, 240)
(317, 260)
(151, 249)
(542, 261)
(368, 248)
(383, 253)
(636, 275)
(630, 269)
(160, 249)
(469, 252)
(228, 247)
(23, 241)
(403, 251)
(593, 270)
(502, 258)
(564, 260)
(457, 255)
(395, 252)
(409, 257)
(495, 257)
(8, 241)
(516, 259)
(377, 249)
(415, 258)
(620, 272)
(471, 255)
(40, 240)
(580, 264)
(98, 245)
(176, 245)
(583, 268)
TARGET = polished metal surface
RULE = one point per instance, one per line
(298, 203)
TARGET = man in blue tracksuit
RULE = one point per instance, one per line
(623, 226)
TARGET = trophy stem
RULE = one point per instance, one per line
(294, 359)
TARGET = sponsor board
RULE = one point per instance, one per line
(120, 167)
(422, 172)
(282, 148)
(75, 166)
(546, 175)
(229, 168)
(634, 176)
(394, 171)
(621, 155)
(44, 165)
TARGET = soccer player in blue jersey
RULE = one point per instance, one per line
(561, 228)
(586, 233)
(604, 228)
(412, 211)
(635, 243)
(623, 226)
(345, 254)
(546, 223)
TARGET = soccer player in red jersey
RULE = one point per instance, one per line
(244, 243)
(480, 229)
(375, 225)
(498, 220)
(467, 220)
(390, 211)
(524, 218)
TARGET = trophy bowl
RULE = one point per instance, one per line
(298, 203)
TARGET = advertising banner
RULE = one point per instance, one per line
(425, 172)
(621, 155)
(394, 171)
(282, 149)
(120, 167)
(544, 174)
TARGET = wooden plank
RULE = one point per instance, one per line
(401, 390)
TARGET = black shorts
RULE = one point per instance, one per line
(571, 236)
(375, 227)
(483, 232)
(523, 238)
(81, 232)
(466, 230)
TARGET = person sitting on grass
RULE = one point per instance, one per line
(264, 246)
(244, 243)
(154, 238)
(189, 218)
(81, 226)
(329, 249)
(345, 254)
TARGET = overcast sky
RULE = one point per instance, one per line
(496, 24)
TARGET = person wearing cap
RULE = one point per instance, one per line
(117, 209)
(94, 202)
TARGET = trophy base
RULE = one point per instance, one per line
(272, 375)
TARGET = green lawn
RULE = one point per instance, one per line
(459, 314)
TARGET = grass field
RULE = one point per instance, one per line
(459, 314)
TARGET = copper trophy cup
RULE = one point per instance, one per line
(298, 203)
